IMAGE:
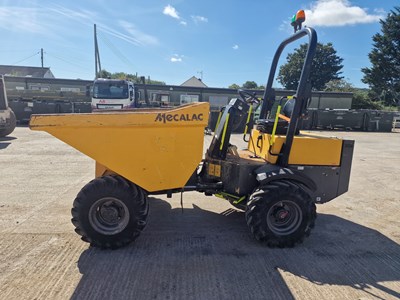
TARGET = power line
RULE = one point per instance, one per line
(64, 60)
(116, 52)
(14, 51)
(37, 53)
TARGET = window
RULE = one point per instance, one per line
(189, 99)
(110, 90)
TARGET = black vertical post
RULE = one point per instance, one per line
(41, 56)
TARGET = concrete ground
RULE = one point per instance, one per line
(206, 252)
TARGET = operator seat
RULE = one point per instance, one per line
(266, 125)
(288, 107)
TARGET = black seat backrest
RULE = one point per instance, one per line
(266, 126)
(288, 107)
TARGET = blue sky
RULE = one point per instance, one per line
(223, 41)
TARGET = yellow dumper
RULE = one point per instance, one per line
(277, 180)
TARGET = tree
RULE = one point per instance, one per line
(249, 85)
(383, 77)
(361, 98)
(325, 67)
(234, 86)
(121, 75)
(339, 85)
(103, 74)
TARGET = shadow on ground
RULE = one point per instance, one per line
(199, 254)
(4, 141)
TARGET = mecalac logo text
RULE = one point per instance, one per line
(178, 117)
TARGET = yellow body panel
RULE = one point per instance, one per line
(156, 149)
(306, 149)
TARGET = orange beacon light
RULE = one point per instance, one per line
(298, 19)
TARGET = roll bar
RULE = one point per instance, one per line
(302, 92)
(269, 93)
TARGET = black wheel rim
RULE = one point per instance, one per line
(284, 217)
(109, 216)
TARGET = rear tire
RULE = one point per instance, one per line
(12, 124)
(110, 212)
(280, 214)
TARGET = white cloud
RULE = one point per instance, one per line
(171, 11)
(235, 47)
(176, 58)
(133, 35)
(57, 21)
(198, 19)
(332, 13)
(51, 21)
(138, 36)
(27, 19)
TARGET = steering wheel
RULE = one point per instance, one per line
(248, 97)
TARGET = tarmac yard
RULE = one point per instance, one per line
(204, 251)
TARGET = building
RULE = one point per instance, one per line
(25, 71)
(194, 82)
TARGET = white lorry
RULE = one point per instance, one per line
(113, 94)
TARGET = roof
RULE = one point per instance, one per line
(25, 71)
(195, 82)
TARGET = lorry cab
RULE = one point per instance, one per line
(112, 94)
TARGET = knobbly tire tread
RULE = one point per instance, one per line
(131, 195)
(264, 198)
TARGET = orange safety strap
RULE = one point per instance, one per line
(284, 117)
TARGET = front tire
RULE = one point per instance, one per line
(281, 214)
(110, 212)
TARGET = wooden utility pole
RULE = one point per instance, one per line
(41, 56)
(96, 54)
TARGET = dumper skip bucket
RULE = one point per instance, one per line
(156, 149)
